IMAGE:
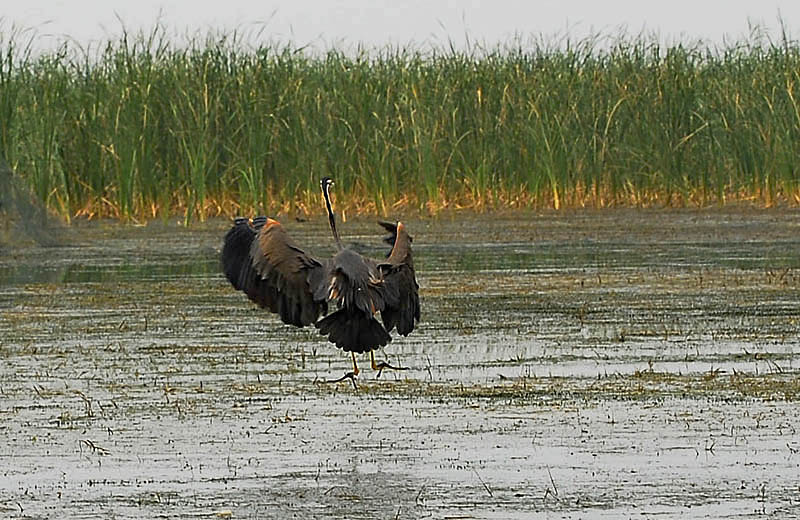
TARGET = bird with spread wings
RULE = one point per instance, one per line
(260, 259)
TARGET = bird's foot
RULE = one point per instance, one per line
(348, 375)
(380, 365)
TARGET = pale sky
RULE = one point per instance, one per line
(346, 23)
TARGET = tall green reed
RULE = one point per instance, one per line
(143, 126)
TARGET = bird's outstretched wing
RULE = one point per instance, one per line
(260, 259)
(402, 292)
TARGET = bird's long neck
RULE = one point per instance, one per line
(331, 217)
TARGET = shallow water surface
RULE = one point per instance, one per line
(579, 365)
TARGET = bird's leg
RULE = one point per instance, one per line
(383, 364)
(349, 375)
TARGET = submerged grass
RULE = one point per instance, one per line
(773, 386)
(143, 126)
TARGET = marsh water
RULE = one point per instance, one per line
(572, 365)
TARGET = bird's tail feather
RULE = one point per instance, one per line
(353, 332)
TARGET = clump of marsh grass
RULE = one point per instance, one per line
(143, 126)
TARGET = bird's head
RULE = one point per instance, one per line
(325, 183)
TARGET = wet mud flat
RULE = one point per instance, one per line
(575, 365)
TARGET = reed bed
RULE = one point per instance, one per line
(144, 127)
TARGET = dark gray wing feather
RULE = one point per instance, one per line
(236, 263)
(261, 260)
(401, 288)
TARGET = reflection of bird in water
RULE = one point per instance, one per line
(260, 259)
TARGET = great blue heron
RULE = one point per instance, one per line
(260, 259)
